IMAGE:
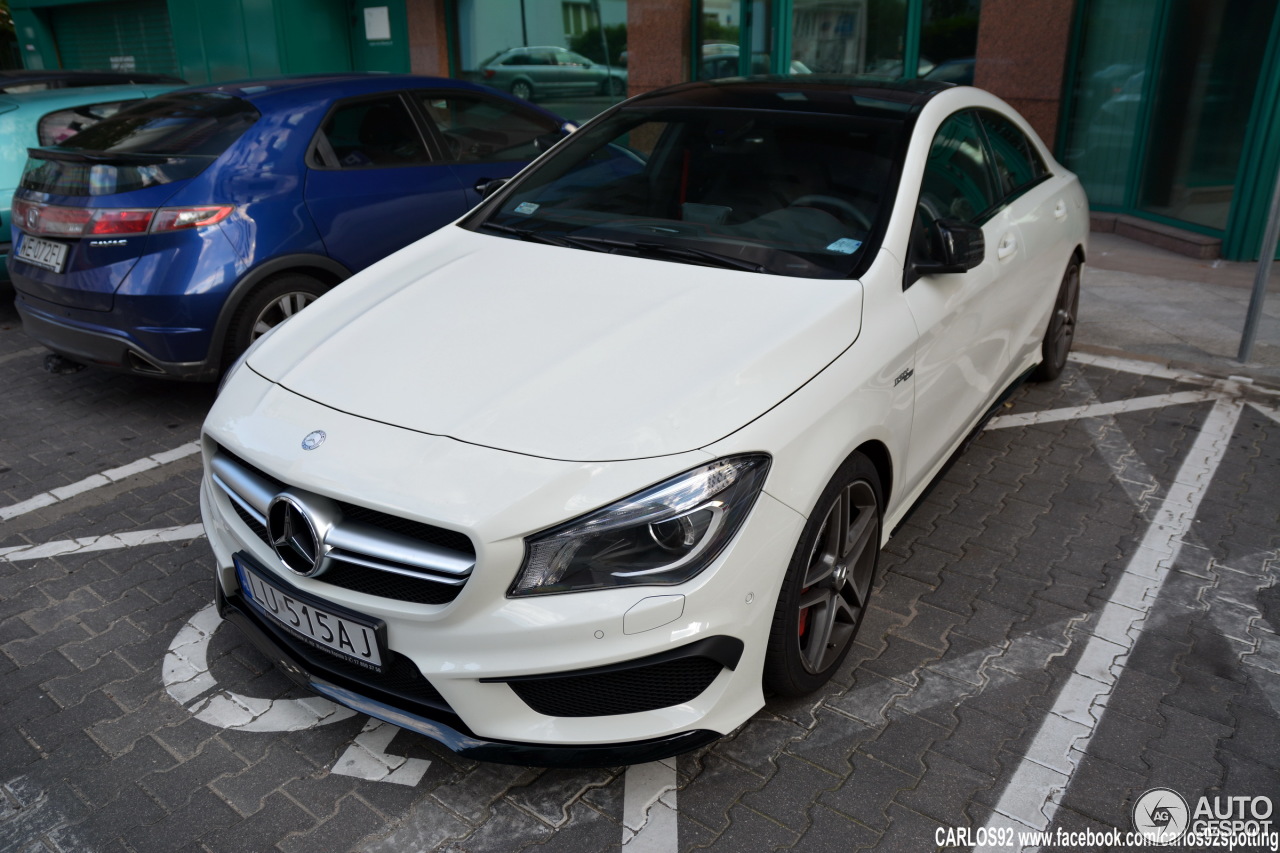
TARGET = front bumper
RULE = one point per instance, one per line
(438, 724)
(479, 651)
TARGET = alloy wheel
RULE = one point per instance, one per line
(838, 577)
(278, 310)
(1063, 324)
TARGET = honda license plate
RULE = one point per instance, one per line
(43, 253)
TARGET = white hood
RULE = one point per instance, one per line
(560, 353)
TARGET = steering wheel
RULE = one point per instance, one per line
(840, 205)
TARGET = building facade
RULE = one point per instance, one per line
(1168, 109)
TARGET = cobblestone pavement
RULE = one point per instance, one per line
(1084, 608)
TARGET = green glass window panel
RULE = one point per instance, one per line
(1207, 77)
(849, 36)
(567, 55)
(720, 29)
(1106, 96)
(132, 35)
(949, 40)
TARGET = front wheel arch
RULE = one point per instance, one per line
(825, 591)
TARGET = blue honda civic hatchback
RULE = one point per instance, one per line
(165, 239)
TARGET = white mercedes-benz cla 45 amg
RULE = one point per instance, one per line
(583, 477)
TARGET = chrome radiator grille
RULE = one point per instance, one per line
(357, 548)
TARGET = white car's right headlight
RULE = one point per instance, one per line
(663, 535)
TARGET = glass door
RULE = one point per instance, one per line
(1208, 75)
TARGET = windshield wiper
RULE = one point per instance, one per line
(647, 247)
(523, 234)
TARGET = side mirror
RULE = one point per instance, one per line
(488, 186)
(956, 247)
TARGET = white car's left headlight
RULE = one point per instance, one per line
(663, 535)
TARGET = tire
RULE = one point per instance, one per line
(828, 582)
(274, 301)
(522, 90)
(1062, 326)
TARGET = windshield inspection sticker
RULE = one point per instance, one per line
(845, 245)
(526, 207)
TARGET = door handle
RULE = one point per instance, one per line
(1060, 209)
(1008, 245)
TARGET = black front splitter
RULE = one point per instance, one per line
(452, 734)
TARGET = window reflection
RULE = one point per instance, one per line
(570, 56)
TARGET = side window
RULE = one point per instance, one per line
(958, 183)
(374, 132)
(475, 129)
(1017, 162)
(957, 177)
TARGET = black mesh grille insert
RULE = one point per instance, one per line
(428, 533)
(251, 522)
(388, 584)
(627, 691)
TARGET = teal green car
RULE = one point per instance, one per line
(31, 119)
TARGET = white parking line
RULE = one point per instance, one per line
(367, 758)
(106, 478)
(110, 542)
(1142, 368)
(1031, 797)
(649, 808)
(1098, 410)
(1269, 412)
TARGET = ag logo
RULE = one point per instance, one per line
(1161, 815)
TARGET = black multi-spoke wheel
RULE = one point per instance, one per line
(1062, 326)
(828, 582)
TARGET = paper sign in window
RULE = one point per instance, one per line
(377, 23)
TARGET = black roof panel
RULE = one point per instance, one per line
(802, 93)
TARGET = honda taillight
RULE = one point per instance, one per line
(119, 221)
(177, 218)
(51, 220)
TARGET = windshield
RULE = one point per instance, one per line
(785, 193)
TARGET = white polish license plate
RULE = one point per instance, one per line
(348, 638)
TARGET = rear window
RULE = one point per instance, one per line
(200, 124)
(152, 142)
